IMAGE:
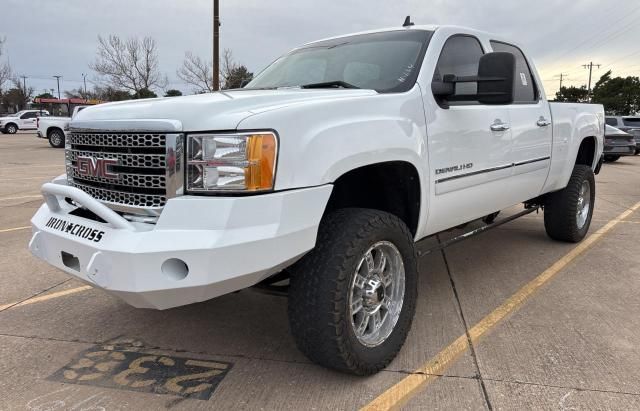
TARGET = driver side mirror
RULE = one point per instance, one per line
(495, 80)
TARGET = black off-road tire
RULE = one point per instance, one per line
(320, 286)
(611, 159)
(56, 138)
(560, 207)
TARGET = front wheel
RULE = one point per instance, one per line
(353, 297)
(568, 212)
(56, 138)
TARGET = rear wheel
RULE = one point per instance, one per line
(352, 298)
(56, 138)
(637, 151)
(611, 159)
(11, 128)
(568, 212)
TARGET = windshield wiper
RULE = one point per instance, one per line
(330, 84)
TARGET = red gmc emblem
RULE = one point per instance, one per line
(96, 167)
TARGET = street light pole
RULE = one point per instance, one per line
(58, 80)
(84, 78)
(216, 45)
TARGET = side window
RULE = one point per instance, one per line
(524, 87)
(460, 56)
(611, 121)
(26, 116)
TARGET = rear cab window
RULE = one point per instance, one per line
(611, 121)
(525, 90)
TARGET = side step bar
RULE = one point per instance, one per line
(424, 249)
(270, 285)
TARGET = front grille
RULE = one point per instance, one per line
(141, 167)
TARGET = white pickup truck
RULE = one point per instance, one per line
(22, 120)
(52, 128)
(324, 173)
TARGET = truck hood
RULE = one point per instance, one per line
(212, 111)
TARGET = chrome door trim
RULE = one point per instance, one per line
(489, 170)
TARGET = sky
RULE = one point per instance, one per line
(46, 38)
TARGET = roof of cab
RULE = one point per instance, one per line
(400, 28)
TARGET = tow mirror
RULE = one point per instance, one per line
(495, 80)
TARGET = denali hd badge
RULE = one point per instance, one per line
(454, 168)
(77, 230)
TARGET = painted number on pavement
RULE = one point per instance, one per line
(111, 366)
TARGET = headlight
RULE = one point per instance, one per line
(242, 162)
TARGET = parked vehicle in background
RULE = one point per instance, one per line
(617, 143)
(628, 124)
(22, 120)
(326, 171)
(52, 128)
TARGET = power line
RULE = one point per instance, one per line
(562, 77)
(590, 67)
(598, 34)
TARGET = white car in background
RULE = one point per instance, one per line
(22, 120)
(52, 128)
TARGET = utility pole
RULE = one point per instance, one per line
(590, 67)
(562, 77)
(58, 80)
(216, 45)
(24, 84)
(84, 78)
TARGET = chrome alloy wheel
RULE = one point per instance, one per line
(377, 293)
(584, 204)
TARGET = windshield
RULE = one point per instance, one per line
(385, 62)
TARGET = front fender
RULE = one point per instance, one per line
(322, 140)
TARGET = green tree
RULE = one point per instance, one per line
(173, 93)
(619, 95)
(45, 95)
(573, 94)
(237, 77)
(18, 96)
(144, 93)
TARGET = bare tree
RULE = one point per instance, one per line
(196, 72)
(5, 68)
(130, 64)
(199, 73)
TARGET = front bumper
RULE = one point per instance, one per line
(39, 134)
(227, 243)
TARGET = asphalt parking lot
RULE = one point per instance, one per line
(506, 320)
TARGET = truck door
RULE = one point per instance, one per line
(469, 144)
(531, 130)
(28, 121)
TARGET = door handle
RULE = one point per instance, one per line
(499, 126)
(543, 122)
